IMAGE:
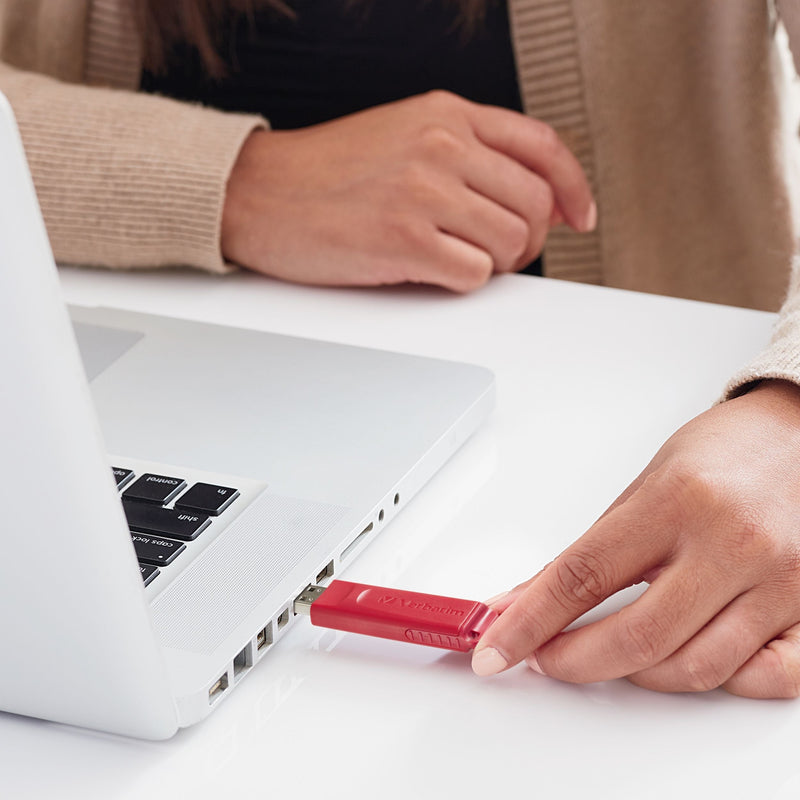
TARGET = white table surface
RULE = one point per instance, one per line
(590, 382)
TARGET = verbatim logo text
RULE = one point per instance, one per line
(417, 605)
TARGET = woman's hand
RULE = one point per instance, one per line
(713, 524)
(433, 189)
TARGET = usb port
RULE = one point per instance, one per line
(240, 664)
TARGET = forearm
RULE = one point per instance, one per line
(126, 179)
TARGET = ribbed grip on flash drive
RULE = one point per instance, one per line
(433, 620)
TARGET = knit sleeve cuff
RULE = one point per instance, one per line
(127, 179)
(781, 359)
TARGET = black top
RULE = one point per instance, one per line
(335, 57)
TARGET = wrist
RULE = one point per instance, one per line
(778, 396)
(237, 209)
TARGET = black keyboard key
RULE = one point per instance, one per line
(148, 573)
(155, 550)
(207, 498)
(178, 524)
(122, 476)
(158, 489)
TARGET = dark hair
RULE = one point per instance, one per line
(198, 24)
(195, 23)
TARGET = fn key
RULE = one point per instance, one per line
(148, 572)
(207, 498)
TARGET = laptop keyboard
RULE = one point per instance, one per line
(164, 513)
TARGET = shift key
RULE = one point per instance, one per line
(171, 522)
(155, 550)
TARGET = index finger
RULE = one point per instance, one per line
(537, 146)
(614, 553)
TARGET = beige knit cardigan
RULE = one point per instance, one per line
(672, 108)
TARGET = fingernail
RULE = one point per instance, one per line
(533, 663)
(493, 600)
(487, 661)
(591, 218)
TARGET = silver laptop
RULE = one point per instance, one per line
(159, 519)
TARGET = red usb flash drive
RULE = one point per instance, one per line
(392, 614)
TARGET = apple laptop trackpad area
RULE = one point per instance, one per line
(100, 346)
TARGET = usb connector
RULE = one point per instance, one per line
(303, 601)
(428, 619)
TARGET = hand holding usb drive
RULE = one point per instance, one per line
(427, 619)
